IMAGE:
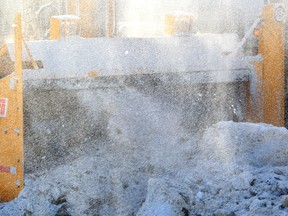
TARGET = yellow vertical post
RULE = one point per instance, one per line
(55, 29)
(111, 18)
(170, 21)
(34, 64)
(271, 46)
(72, 7)
(11, 124)
(19, 123)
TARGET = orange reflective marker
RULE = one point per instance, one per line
(256, 32)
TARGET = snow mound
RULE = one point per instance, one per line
(239, 169)
(246, 143)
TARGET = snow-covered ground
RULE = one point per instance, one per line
(234, 169)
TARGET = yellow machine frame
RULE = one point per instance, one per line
(269, 106)
(11, 125)
(270, 72)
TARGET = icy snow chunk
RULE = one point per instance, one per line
(165, 197)
(222, 212)
(242, 181)
(284, 201)
(199, 195)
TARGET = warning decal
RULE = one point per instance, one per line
(3, 107)
(7, 169)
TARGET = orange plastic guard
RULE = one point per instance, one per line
(11, 125)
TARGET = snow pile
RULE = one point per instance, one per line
(246, 144)
(235, 169)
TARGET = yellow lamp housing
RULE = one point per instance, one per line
(62, 26)
(178, 23)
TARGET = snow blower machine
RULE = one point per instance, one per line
(73, 85)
